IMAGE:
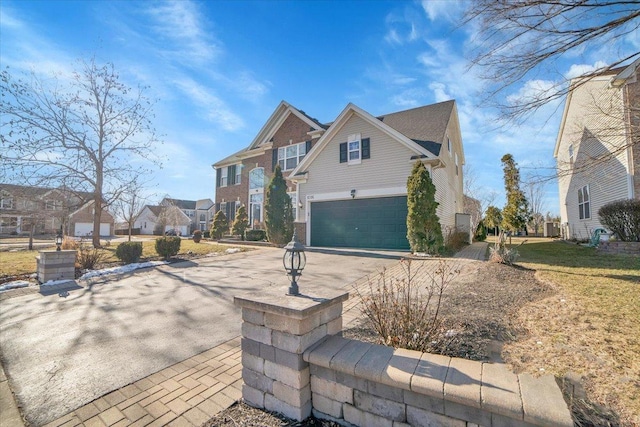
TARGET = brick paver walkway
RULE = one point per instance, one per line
(189, 393)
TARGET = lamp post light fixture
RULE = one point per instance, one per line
(59, 239)
(294, 261)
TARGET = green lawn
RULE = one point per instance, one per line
(591, 326)
(23, 261)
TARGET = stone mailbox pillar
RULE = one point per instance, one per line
(56, 265)
(276, 330)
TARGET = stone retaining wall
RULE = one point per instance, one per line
(371, 385)
(295, 362)
(619, 248)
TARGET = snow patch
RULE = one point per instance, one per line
(14, 285)
(232, 250)
(122, 269)
(55, 282)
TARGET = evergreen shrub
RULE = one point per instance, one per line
(168, 246)
(129, 252)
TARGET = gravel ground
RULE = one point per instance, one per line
(479, 306)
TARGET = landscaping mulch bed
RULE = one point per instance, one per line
(479, 306)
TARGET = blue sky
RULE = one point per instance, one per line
(220, 68)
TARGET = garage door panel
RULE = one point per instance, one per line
(361, 223)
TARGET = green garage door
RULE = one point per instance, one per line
(360, 223)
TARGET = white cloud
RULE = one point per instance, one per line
(181, 23)
(577, 70)
(214, 109)
(439, 91)
(443, 9)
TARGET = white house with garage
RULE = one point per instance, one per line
(352, 187)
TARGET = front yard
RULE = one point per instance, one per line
(22, 262)
(591, 326)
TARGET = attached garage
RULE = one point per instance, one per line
(376, 223)
(86, 228)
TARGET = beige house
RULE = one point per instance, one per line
(598, 150)
(352, 188)
(47, 209)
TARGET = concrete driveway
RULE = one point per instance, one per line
(62, 351)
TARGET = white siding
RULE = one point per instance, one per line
(146, 218)
(384, 174)
(593, 126)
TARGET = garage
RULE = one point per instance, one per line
(86, 229)
(377, 223)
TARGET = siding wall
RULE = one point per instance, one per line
(594, 126)
(385, 173)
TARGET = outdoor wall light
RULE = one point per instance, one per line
(59, 239)
(353, 193)
(294, 261)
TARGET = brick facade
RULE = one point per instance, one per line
(292, 131)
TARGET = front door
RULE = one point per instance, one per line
(256, 197)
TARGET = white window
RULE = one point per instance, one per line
(290, 156)
(223, 208)
(238, 174)
(52, 205)
(294, 203)
(584, 205)
(571, 154)
(223, 177)
(255, 210)
(256, 179)
(353, 149)
(6, 202)
(457, 164)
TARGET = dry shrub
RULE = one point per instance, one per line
(69, 243)
(88, 257)
(405, 312)
(499, 253)
(456, 239)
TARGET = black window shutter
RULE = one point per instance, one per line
(274, 159)
(228, 212)
(217, 207)
(231, 174)
(343, 152)
(218, 177)
(366, 148)
(308, 146)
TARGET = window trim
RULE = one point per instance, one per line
(224, 179)
(584, 206)
(283, 158)
(238, 173)
(571, 153)
(351, 139)
(6, 202)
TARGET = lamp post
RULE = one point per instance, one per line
(294, 261)
(59, 239)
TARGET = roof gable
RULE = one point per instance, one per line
(423, 145)
(271, 126)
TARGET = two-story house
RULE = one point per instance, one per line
(348, 178)
(200, 212)
(285, 139)
(47, 209)
(598, 147)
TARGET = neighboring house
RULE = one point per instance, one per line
(349, 188)
(200, 212)
(160, 219)
(285, 139)
(598, 149)
(47, 209)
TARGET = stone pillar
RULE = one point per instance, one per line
(276, 330)
(56, 265)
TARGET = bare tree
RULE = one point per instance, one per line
(534, 191)
(91, 131)
(130, 203)
(477, 198)
(518, 39)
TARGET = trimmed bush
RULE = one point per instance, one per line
(622, 217)
(168, 246)
(424, 232)
(220, 225)
(129, 252)
(241, 222)
(255, 235)
(481, 233)
(197, 236)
